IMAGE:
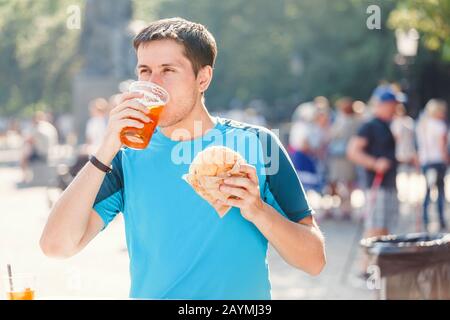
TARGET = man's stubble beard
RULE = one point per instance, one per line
(177, 117)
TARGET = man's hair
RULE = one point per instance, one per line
(199, 44)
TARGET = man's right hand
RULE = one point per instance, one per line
(73, 222)
(128, 113)
(381, 165)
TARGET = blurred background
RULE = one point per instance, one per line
(308, 69)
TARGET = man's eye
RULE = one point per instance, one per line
(168, 70)
(143, 71)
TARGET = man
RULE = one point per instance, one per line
(374, 149)
(342, 173)
(179, 248)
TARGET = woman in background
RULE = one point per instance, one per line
(433, 156)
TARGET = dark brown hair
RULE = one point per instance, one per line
(199, 44)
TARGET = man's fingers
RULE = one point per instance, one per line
(251, 172)
(131, 123)
(132, 104)
(132, 113)
(245, 183)
(233, 191)
(128, 96)
(232, 202)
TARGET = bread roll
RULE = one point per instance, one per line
(208, 170)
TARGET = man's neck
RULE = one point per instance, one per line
(197, 123)
(383, 117)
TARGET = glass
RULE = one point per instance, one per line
(20, 287)
(155, 98)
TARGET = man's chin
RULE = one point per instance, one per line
(169, 120)
(165, 123)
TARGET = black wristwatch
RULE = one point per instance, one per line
(98, 164)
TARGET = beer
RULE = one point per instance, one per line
(21, 286)
(154, 100)
(26, 294)
(138, 138)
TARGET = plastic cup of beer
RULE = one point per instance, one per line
(154, 100)
(20, 286)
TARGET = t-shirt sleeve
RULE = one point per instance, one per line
(109, 201)
(365, 131)
(282, 188)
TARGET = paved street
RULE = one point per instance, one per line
(101, 270)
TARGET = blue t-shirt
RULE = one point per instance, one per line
(380, 143)
(179, 247)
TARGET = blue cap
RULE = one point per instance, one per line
(380, 90)
(385, 94)
(388, 97)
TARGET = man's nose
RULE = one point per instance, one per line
(156, 78)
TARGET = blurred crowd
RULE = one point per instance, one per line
(39, 136)
(342, 147)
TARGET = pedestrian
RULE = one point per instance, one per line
(342, 172)
(96, 125)
(374, 149)
(433, 155)
(38, 143)
(403, 129)
(303, 144)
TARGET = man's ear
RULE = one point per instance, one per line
(204, 78)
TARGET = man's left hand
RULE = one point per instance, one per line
(244, 193)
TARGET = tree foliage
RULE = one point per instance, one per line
(430, 17)
(38, 55)
(282, 52)
(286, 51)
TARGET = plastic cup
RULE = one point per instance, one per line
(20, 286)
(154, 100)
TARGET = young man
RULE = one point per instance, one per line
(179, 248)
(374, 149)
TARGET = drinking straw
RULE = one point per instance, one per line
(10, 278)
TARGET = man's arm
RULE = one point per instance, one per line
(300, 244)
(357, 154)
(72, 222)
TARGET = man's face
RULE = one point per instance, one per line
(392, 109)
(163, 62)
(388, 109)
